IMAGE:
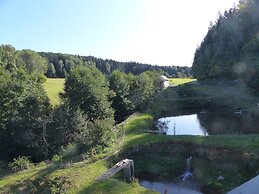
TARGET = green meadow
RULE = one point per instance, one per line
(180, 81)
(53, 87)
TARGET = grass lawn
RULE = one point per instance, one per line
(179, 81)
(53, 86)
(78, 178)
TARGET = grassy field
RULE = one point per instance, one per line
(180, 81)
(53, 86)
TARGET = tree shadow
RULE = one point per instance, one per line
(113, 186)
(37, 183)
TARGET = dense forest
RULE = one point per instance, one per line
(59, 65)
(92, 103)
(230, 50)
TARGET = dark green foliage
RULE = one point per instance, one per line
(87, 88)
(25, 60)
(132, 93)
(74, 126)
(8, 57)
(23, 113)
(64, 63)
(20, 163)
(122, 86)
(145, 87)
(3, 168)
(32, 62)
(230, 48)
(24, 104)
(89, 120)
(51, 72)
(60, 65)
(29, 126)
(96, 133)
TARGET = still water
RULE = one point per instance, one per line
(185, 184)
(210, 121)
(183, 125)
(180, 187)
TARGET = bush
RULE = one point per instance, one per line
(20, 163)
(56, 158)
(69, 151)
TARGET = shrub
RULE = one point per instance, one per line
(56, 158)
(69, 151)
(20, 163)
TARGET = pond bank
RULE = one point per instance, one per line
(214, 168)
(204, 94)
(209, 121)
(179, 187)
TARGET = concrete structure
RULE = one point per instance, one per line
(250, 187)
(128, 167)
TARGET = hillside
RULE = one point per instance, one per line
(77, 175)
(71, 172)
(61, 64)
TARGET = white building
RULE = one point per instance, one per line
(164, 81)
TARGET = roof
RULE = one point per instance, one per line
(164, 78)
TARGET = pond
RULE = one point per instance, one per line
(179, 187)
(210, 121)
(184, 184)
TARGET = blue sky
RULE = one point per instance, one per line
(162, 32)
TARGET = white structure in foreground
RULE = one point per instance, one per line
(250, 187)
(164, 81)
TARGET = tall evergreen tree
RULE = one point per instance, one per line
(230, 48)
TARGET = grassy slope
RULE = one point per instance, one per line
(80, 177)
(179, 81)
(76, 178)
(53, 86)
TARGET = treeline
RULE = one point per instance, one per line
(60, 65)
(230, 50)
(92, 103)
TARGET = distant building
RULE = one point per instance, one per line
(164, 81)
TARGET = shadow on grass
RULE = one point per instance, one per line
(115, 187)
(38, 183)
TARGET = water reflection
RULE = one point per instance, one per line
(211, 121)
(182, 125)
(186, 187)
